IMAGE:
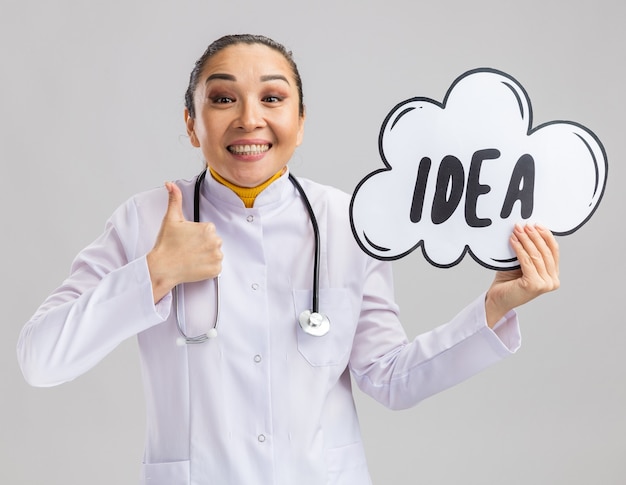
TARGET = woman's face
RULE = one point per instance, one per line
(247, 120)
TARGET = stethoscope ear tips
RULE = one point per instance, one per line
(181, 341)
(212, 333)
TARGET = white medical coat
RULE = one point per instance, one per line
(263, 403)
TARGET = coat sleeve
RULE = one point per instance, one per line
(106, 299)
(399, 373)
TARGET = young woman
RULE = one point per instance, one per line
(268, 400)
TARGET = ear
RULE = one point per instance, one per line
(300, 136)
(189, 123)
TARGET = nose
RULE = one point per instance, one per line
(250, 116)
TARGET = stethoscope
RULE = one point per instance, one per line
(311, 321)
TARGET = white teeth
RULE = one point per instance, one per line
(248, 149)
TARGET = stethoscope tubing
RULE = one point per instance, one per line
(316, 233)
(311, 321)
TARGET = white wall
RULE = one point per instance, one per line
(91, 105)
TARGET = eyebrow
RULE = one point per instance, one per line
(230, 77)
(274, 77)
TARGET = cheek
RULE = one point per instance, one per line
(300, 133)
(208, 130)
(291, 129)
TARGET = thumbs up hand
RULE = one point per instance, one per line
(184, 251)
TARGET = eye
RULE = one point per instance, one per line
(272, 99)
(222, 100)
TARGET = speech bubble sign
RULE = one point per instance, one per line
(460, 173)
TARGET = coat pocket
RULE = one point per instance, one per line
(334, 347)
(347, 464)
(172, 473)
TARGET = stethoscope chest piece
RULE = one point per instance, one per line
(314, 323)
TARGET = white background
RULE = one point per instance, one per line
(91, 105)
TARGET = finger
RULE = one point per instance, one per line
(536, 246)
(521, 244)
(551, 258)
(530, 256)
(538, 261)
(547, 247)
(551, 244)
(174, 210)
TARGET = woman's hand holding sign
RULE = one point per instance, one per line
(538, 255)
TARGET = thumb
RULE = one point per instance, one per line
(174, 210)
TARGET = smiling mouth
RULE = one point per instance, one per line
(248, 149)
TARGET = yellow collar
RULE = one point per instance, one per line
(246, 194)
